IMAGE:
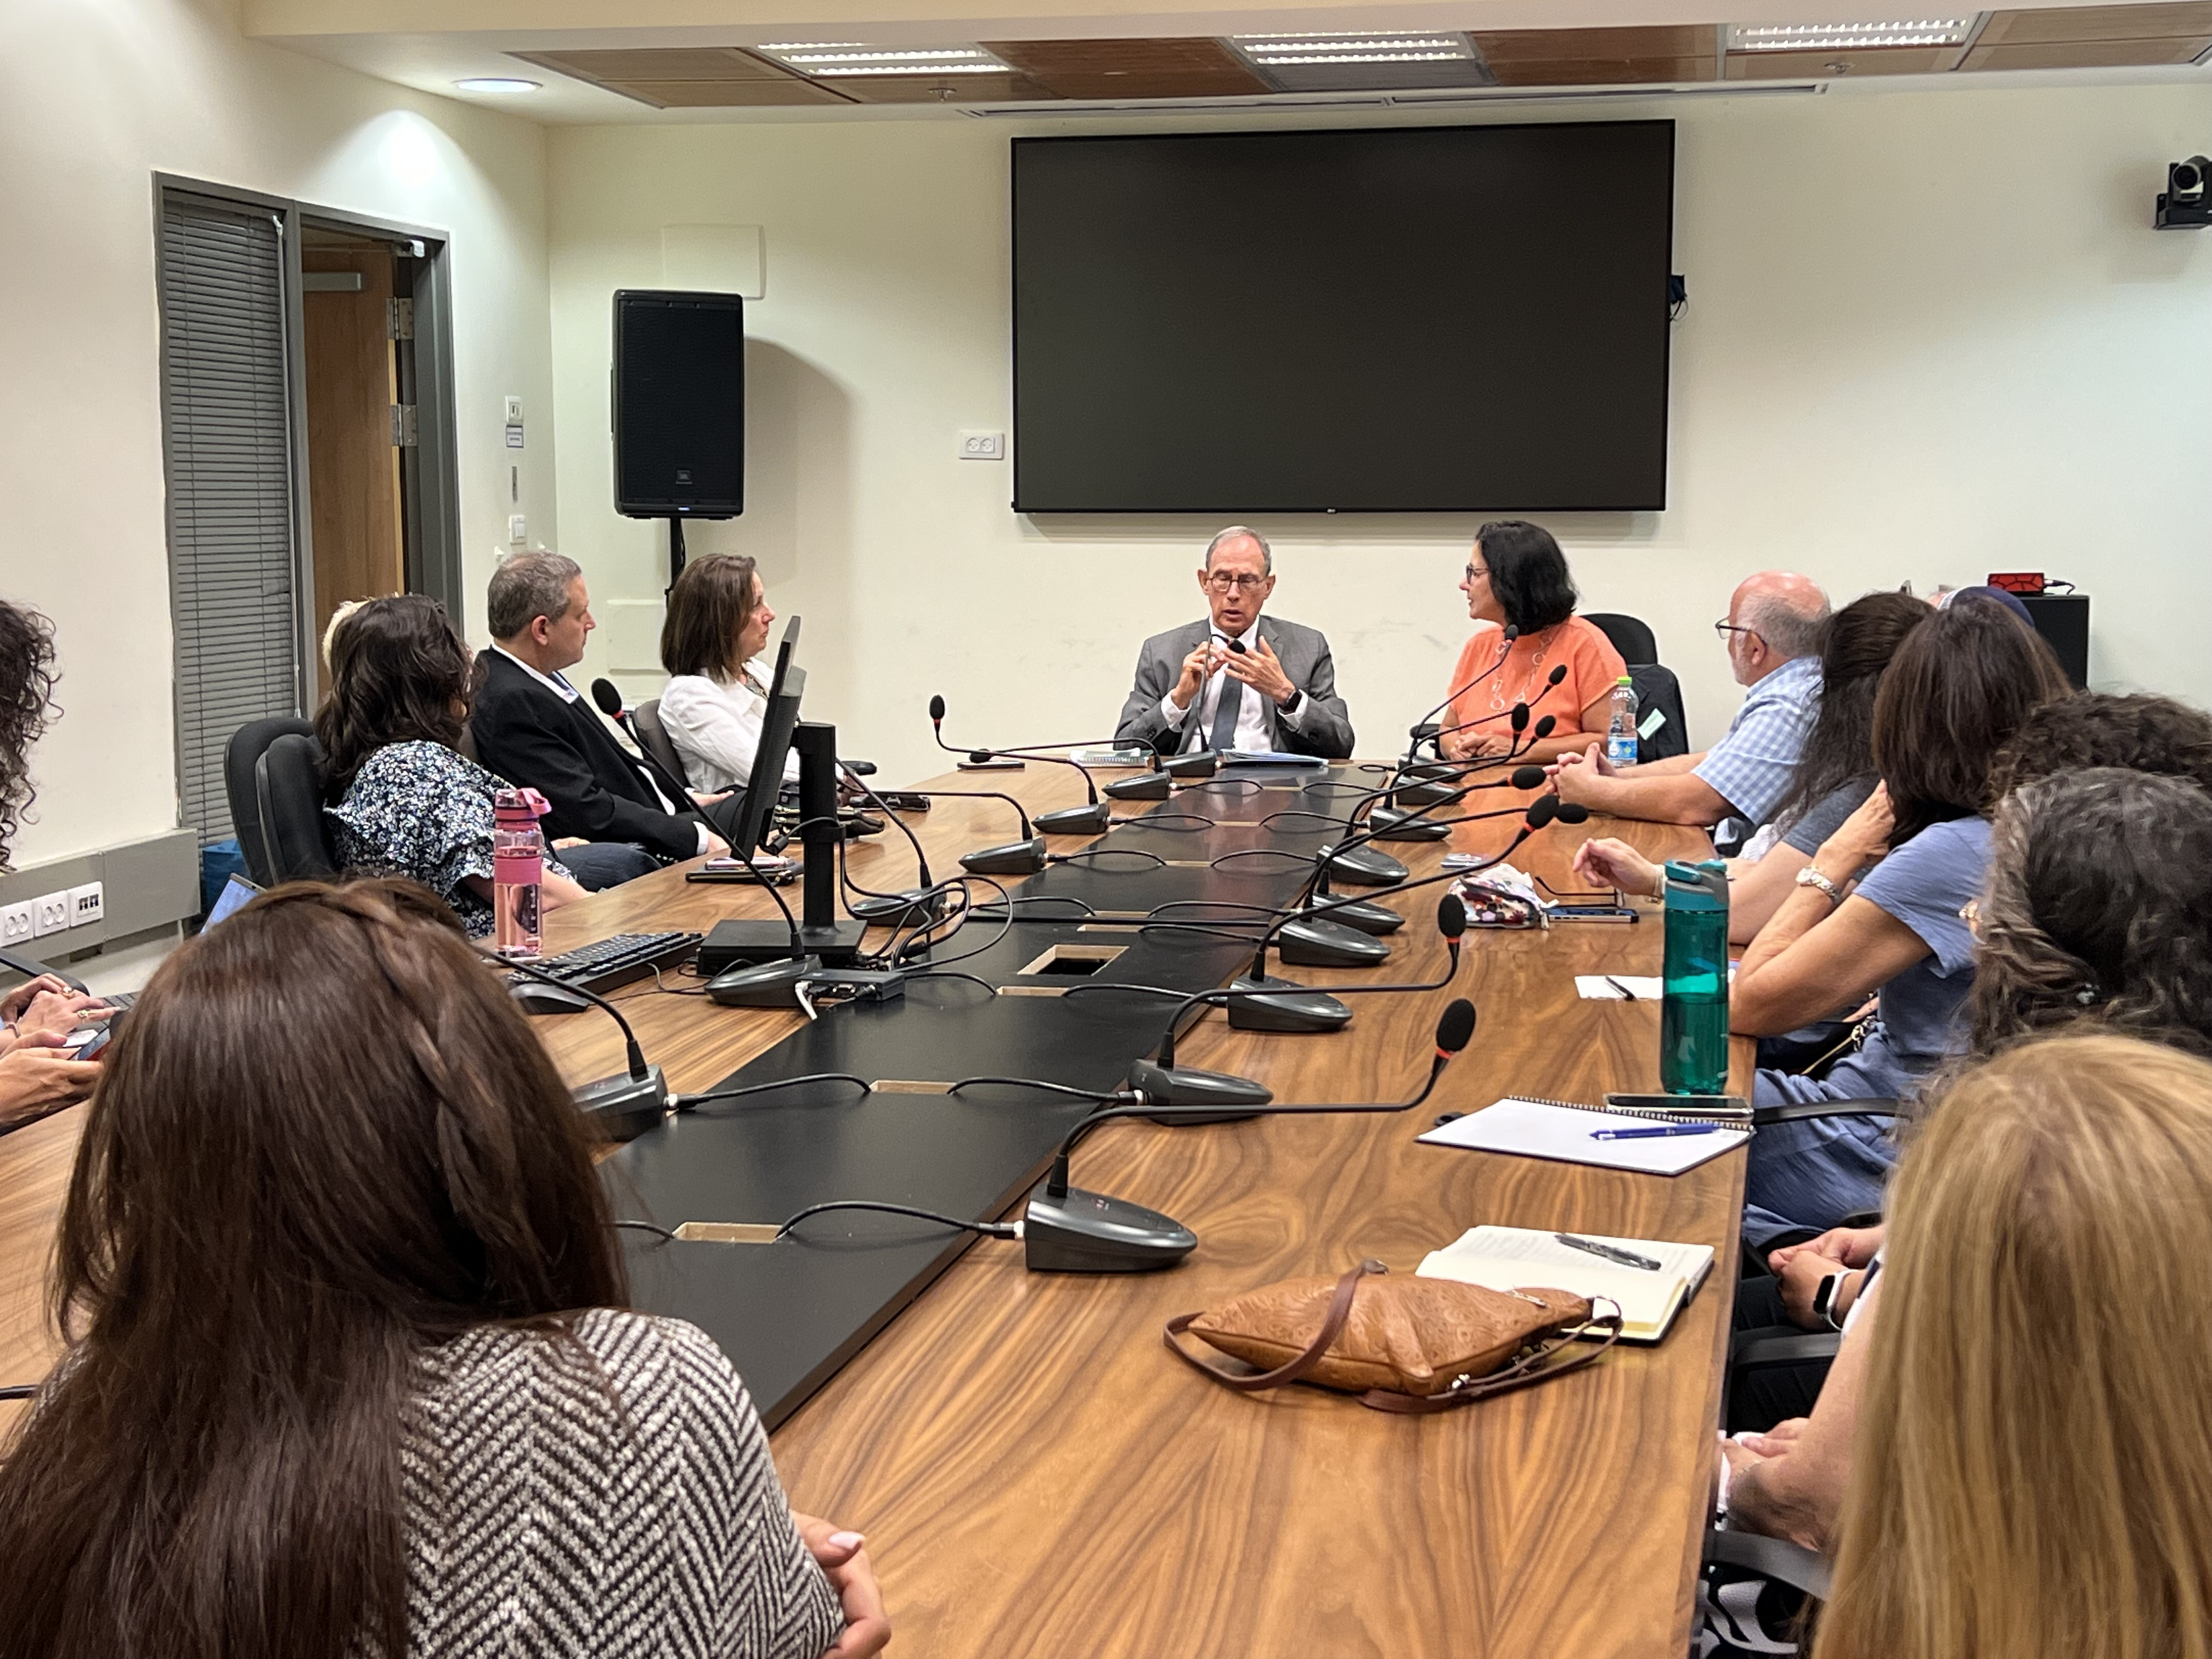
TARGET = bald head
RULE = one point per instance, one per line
(1778, 615)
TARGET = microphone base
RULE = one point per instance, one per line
(1362, 867)
(1294, 1009)
(1085, 1232)
(909, 909)
(1377, 919)
(1202, 764)
(1016, 858)
(1186, 1085)
(623, 1107)
(1420, 794)
(1146, 786)
(1387, 825)
(1091, 820)
(1325, 942)
(732, 944)
(762, 984)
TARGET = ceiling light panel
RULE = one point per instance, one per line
(1840, 36)
(840, 59)
(1352, 46)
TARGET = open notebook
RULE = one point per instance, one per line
(1504, 1258)
(1557, 1129)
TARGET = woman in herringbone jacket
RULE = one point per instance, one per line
(350, 1371)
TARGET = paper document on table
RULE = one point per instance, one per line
(1526, 1128)
(1509, 1258)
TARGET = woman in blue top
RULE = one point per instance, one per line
(1878, 910)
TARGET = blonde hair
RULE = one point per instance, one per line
(2033, 1476)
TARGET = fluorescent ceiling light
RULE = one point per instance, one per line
(1837, 37)
(500, 83)
(1354, 46)
(847, 57)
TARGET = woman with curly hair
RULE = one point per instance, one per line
(36, 1076)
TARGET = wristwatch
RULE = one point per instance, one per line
(1291, 704)
(1824, 1300)
(1808, 877)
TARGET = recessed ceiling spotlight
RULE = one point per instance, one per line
(847, 57)
(496, 83)
(1353, 47)
(1836, 37)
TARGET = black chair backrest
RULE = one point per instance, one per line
(653, 738)
(1631, 637)
(288, 781)
(241, 755)
(1656, 688)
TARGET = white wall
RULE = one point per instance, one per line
(95, 97)
(1930, 334)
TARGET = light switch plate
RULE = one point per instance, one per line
(518, 529)
(513, 409)
(983, 446)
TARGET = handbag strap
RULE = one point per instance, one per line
(1332, 1326)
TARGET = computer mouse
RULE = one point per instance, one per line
(535, 996)
(762, 984)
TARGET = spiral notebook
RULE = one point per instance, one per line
(1563, 1131)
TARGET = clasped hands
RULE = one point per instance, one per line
(37, 1075)
(1258, 668)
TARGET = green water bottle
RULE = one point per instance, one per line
(1693, 1003)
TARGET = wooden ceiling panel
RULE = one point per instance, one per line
(2086, 54)
(1185, 67)
(935, 89)
(1603, 71)
(2192, 19)
(1859, 64)
(727, 95)
(660, 64)
(1581, 45)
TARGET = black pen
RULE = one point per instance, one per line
(1626, 1258)
(1627, 995)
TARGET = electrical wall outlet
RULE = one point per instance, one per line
(513, 409)
(50, 914)
(518, 529)
(87, 903)
(983, 446)
(16, 923)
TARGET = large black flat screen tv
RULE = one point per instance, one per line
(1410, 319)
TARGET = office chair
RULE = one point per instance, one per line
(1657, 687)
(653, 738)
(1631, 635)
(241, 755)
(288, 787)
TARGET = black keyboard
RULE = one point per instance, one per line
(606, 963)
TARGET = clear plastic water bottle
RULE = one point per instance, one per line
(517, 863)
(1693, 1001)
(1620, 739)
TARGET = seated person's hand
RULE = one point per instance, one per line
(1197, 668)
(1801, 1276)
(45, 1003)
(37, 1077)
(1453, 745)
(716, 847)
(1490, 743)
(1861, 838)
(844, 1561)
(708, 800)
(1777, 1441)
(570, 840)
(1609, 862)
(1569, 772)
(1847, 1247)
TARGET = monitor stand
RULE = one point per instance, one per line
(820, 933)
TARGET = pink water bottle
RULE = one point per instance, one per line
(517, 863)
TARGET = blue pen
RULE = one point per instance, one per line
(1655, 1131)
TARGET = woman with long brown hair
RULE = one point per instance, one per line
(712, 643)
(349, 1368)
(2033, 1476)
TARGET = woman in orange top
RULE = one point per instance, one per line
(1518, 579)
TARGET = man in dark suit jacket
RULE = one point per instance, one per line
(1195, 690)
(531, 728)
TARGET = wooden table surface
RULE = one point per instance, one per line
(1037, 1476)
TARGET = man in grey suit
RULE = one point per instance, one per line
(1196, 690)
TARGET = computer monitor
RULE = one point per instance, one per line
(766, 782)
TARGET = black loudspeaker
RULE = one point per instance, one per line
(679, 404)
(2063, 619)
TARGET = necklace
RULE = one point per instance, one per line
(1543, 643)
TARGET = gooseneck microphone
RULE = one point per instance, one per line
(1087, 820)
(893, 910)
(1024, 857)
(624, 1106)
(610, 702)
(1065, 1230)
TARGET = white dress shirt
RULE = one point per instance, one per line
(568, 693)
(716, 727)
(1253, 735)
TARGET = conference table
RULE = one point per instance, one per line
(1036, 1475)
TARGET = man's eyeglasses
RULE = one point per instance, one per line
(1724, 628)
(1221, 581)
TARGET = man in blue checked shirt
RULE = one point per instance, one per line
(1773, 630)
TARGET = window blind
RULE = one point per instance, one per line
(227, 425)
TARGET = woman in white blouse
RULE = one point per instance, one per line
(711, 645)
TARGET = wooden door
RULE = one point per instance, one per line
(353, 468)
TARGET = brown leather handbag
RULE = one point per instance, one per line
(1406, 1344)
